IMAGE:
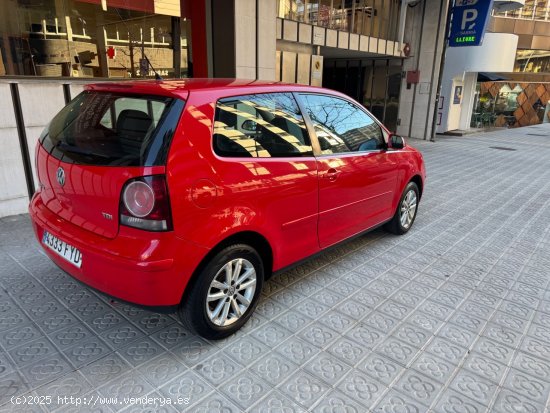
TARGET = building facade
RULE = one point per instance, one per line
(383, 53)
(505, 82)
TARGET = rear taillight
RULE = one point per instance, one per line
(144, 204)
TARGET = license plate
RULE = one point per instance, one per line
(61, 248)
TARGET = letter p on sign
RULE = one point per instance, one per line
(468, 16)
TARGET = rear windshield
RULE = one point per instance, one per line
(113, 129)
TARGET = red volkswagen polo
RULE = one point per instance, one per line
(187, 194)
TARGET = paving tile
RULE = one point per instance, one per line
(368, 298)
(338, 401)
(318, 334)
(338, 320)
(457, 335)
(217, 369)
(11, 384)
(511, 401)
(311, 307)
(244, 389)
(45, 370)
(304, 389)
(485, 366)
(347, 350)
(361, 387)
(161, 369)
(128, 385)
(474, 387)
(140, 351)
(365, 335)
(397, 350)
(187, 386)
(271, 334)
(193, 351)
(121, 334)
(105, 369)
(446, 350)
(532, 365)
(493, 350)
(508, 337)
(412, 335)
(434, 367)
(396, 402)
(72, 384)
(72, 335)
(528, 386)
(380, 368)
(171, 335)
(56, 321)
(32, 351)
(380, 321)
(274, 402)
(215, 403)
(452, 402)
(418, 387)
(327, 368)
(297, 350)
(273, 368)
(84, 353)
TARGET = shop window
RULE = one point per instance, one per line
(76, 38)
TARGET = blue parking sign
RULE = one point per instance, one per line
(469, 21)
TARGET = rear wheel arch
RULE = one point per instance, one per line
(250, 238)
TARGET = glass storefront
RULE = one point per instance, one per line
(509, 104)
(83, 38)
(377, 18)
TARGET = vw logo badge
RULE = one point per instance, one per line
(61, 176)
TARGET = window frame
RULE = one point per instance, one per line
(310, 154)
(313, 134)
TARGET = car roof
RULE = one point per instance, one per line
(181, 87)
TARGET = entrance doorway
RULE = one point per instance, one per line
(375, 83)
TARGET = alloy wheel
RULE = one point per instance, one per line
(231, 292)
(408, 209)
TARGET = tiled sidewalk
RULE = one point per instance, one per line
(452, 317)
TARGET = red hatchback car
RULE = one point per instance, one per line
(187, 194)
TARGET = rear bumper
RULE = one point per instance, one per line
(144, 268)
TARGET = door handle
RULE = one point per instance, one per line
(332, 174)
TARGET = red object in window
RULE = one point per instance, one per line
(111, 52)
(413, 76)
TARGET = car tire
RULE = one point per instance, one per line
(408, 204)
(224, 294)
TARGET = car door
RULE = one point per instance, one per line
(357, 175)
(267, 165)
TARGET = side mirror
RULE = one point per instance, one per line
(249, 125)
(396, 142)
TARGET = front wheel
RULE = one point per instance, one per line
(225, 293)
(406, 210)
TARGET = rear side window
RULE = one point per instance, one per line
(112, 129)
(260, 126)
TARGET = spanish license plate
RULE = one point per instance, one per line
(61, 248)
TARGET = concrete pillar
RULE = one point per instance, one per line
(244, 38)
(424, 32)
(101, 36)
